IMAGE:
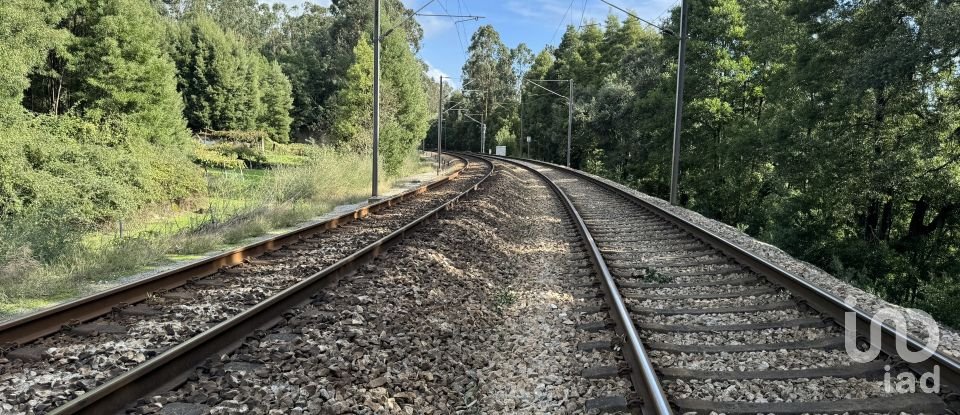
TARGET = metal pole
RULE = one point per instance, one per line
(483, 138)
(376, 96)
(521, 120)
(440, 128)
(678, 113)
(570, 124)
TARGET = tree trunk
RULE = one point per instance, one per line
(871, 219)
(918, 228)
(886, 220)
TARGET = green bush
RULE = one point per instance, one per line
(62, 176)
(216, 160)
(252, 157)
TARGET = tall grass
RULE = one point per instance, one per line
(238, 205)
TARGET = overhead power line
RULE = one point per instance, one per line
(456, 26)
(404, 21)
(449, 15)
(583, 12)
(629, 13)
(570, 7)
(378, 37)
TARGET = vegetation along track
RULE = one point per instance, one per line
(134, 338)
(726, 332)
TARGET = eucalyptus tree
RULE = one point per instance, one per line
(489, 72)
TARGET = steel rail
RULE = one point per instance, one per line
(35, 325)
(816, 298)
(643, 373)
(173, 366)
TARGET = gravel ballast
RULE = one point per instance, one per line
(472, 313)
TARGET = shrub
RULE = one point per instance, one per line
(252, 157)
(216, 160)
(62, 176)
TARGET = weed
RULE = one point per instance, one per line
(503, 300)
(651, 275)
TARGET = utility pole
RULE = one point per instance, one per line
(570, 124)
(483, 138)
(521, 120)
(440, 129)
(376, 97)
(678, 113)
(377, 41)
(483, 120)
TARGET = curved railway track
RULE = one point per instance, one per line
(99, 354)
(707, 327)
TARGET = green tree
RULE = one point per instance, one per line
(305, 51)
(404, 113)
(489, 71)
(353, 130)
(27, 33)
(113, 66)
(276, 102)
(404, 100)
(828, 128)
(227, 86)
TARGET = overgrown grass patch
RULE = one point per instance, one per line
(237, 206)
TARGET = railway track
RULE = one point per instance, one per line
(706, 327)
(99, 354)
(696, 325)
(472, 314)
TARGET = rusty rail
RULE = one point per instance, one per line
(172, 366)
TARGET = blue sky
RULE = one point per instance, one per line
(534, 22)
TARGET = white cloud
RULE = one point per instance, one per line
(435, 73)
(433, 26)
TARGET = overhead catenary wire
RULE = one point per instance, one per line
(583, 12)
(456, 27)
(405, 20)
(631, 14)
(464, 6)
(378, 37)
(569, 8)
(668, 10)
(548, 89)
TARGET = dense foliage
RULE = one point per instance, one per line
(404, 115)
(92, 125)
(227, 86)
(830, 129)
(104, 104)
